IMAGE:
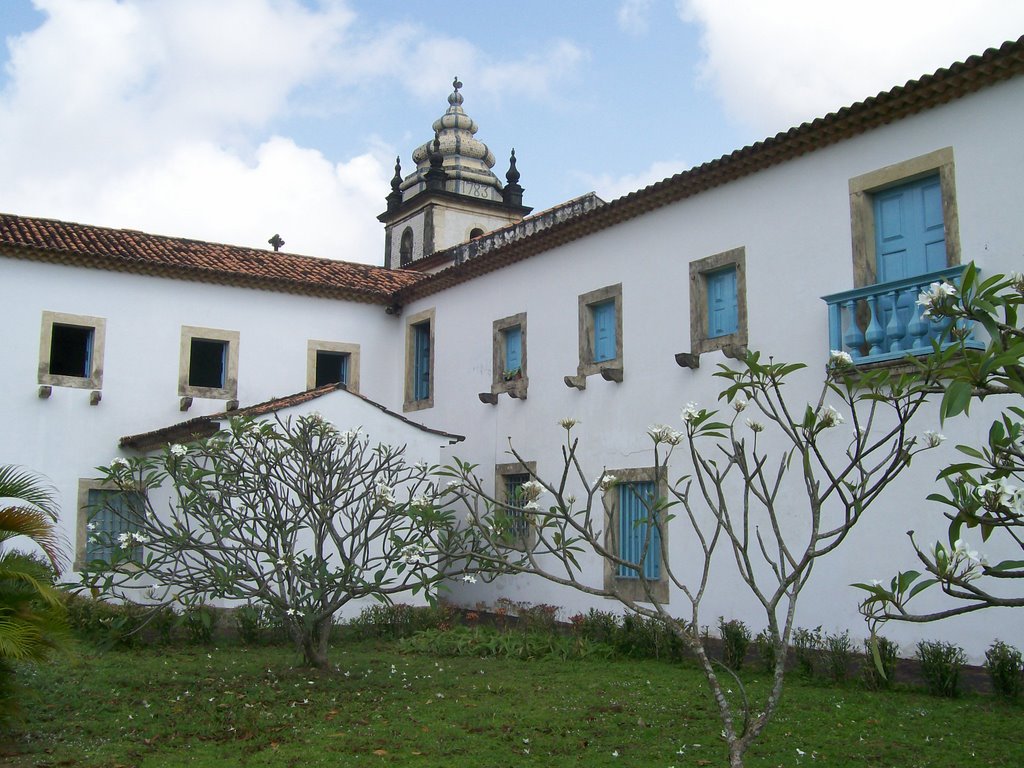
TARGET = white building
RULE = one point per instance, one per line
(492, 326)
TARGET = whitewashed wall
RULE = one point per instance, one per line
(794, 222)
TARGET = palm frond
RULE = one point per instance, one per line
(25, 486)
(36, 525)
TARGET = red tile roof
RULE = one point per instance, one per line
(127, 250)
(205, 426)
(977, 72)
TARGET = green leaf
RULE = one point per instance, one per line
(956, 399)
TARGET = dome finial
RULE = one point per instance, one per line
(396, 180)
(513, 173)
(456, 98)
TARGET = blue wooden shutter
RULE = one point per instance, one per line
(604, 331)
(910, 236)
(513, 348)
(421, 361)
(723, 308)
(635, 502)
(111, 513)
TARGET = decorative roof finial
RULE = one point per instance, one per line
(513, 173)
(276, 241)
(435, 175)
(456, 98)
(396, 180)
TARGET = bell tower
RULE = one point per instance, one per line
(451, 196)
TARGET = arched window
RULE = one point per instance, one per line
(475, 232)
(405, 249)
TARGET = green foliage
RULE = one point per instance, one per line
(1005, 669)
(879, 675)
(837, 650)
(764, 644)
(199, 621)
(644, 637)
(398, 620)
(940, 667)
(597, 626)
(807, 649)
(735, 641)
(488, 641)
(106, 625)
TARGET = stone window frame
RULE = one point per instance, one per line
(699, 270)
(426, 316)
(99, 330)
(634, 589)
(862, 211)
(587, 366)
(498, 383)
(85, 485)
(230, 389)
(501, 471)
(405, 254)
(352, 350)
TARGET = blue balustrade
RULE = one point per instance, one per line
(884, 321)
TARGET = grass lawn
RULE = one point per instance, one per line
(230, 705)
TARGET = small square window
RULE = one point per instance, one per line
(332, 362)
(419, 361)
(71, 350)
(509, 357)
(209, 363)
(600, 330)
(637, 535)
(104, 513)
(718, 305)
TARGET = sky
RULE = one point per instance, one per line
(233, 120)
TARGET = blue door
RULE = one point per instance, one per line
(604, 331)
(910, 235)
(723, 315)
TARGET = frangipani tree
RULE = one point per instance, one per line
(293, 515)
(769, 487)
(982, 496)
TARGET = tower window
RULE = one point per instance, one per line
(71, 350)
(331, 368)
(405, 249)
(475, 232)
(208, 363)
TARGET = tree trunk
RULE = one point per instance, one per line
(314, 644)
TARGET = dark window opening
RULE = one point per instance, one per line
(518, 526)
(331, 367)
(475, 232)
(405, 249)
(207, 363)
(71, 350)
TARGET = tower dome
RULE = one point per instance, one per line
(466, 160)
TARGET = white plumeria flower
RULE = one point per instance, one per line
(570, 498)
(469, 578)
(179, 450)
(830, 417)
(531, 506)
(385, 493)
(933, 439)
(690, 412)
(118, 462)
(838, 358)
(755, 426)
(90, 526)
(935, 294)
(606, 481)
(739, 405)
(876, 582)
(659, 433)
(568, 423)
(532, 489)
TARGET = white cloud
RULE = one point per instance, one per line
(609, 187)
(157, 115)
(632, 16)
(778, 64)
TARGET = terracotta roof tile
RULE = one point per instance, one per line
(205, 426)
(129, 250)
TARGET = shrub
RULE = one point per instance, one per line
(393, 622)
(538, 618)
(597, 626)
(940, 667)
(735, 641)
(164, 621)
(200, 621)
(806, 647)
(107, 625)
(643, 637)
(838, 650)
(1005, 666)
(764, 644)
(252, 623)
(888, 655)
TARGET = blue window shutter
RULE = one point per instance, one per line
(910, 236)
(723, 307)
(421, 361)
(111, 513)
(604, 331)
(517, 525)
(634, 502)
(513, 348)
(343, 370)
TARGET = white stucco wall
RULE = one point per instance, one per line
(794, 223)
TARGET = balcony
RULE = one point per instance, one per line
(884, 322)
